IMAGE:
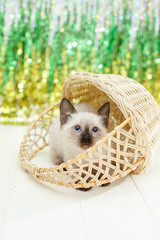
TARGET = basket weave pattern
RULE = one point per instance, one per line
(134, 131)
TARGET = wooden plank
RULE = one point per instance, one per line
(10, 137)
(41, 211)
(148, 185)
(117, 212)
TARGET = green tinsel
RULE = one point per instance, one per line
(33, 66)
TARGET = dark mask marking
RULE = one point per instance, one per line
(86, 137)
(66, 110)
(104, 113)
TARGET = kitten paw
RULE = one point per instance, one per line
(105, 184)
(84, 189)
(58, 161)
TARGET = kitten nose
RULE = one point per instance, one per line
(86, 138)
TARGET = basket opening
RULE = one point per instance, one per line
(88, 93)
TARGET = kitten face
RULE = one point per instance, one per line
(83, 129)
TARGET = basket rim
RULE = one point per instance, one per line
(39, 170)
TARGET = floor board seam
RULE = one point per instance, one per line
(146, 203)
(83, 218)
(9, 196)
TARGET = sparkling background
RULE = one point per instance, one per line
(42, 42)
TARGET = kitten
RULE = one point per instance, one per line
(76, 129)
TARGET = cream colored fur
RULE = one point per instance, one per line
(64, 140)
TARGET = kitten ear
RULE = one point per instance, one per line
(66, 109)
(104, 113)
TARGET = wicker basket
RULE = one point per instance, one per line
(134, 131)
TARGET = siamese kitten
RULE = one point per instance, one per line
(76, 129)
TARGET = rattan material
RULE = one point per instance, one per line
(134, 132)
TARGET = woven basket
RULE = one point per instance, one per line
(134, 131)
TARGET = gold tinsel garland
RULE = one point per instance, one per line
(32, 71)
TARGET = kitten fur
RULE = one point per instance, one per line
(65, 142)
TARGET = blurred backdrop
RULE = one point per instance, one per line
(44, 41)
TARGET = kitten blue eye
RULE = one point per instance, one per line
(77, 128)
(95, 130)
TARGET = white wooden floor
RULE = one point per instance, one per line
(127, 209)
